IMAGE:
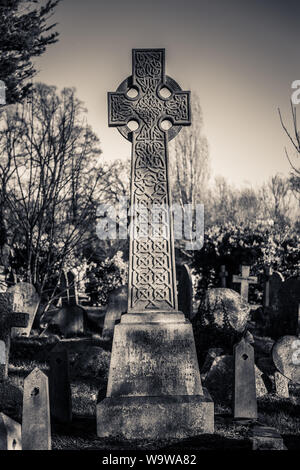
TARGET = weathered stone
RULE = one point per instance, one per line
(11, 399)
(211, 355)
(25, 299)
(36, 429)
(154, 385)
(59, 385)
(73, 295)
(92, 362)
(10, 434)
(184, 289)
(68, 321)
(220, 380)
(286, 357)
(117, 305)
(266, 438)
(281, 385)
(245, 404)
(225, 309)
(245, 279)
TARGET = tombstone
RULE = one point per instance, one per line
(59, 386)
(281, 385)
(245, 403)
(286, 357)
(275, 285)
(154, 387)
(117, 305)
(184, 290)
(10, 434)
(266, 296)
(73, 295)
(36, 428)
(9, 319)
(245, 279)
(2, 93)
(25, 299)
(266, 438)
(69, 320)
(223, 275)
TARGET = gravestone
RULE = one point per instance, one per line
(36, 428)
(69, 320)
(25, 299)
(223, 275)
(184, 290)
(117, 305)
(10, 434)
(286, 357)
(266, 296)
(9, 319)
(244, 279)
(275, 285)
(59, 385)
(245, 403)
(154, 387)
(281, 385)
(266, 438)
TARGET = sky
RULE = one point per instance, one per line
(239, 56)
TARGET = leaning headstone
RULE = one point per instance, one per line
(25, 299)
(10, 434)
(244, 279)
(286, 357)
(266, 438)
(9, 319)
(36, 428)
(117, 305)
(184, 289)
(245, 403)
(154, 386)
(59, 385)
(223, 275)
(281, 385)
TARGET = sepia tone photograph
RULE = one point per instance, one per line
(149, 229)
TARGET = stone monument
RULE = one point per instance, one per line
(154, 386)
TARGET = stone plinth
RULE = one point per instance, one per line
(154, 386)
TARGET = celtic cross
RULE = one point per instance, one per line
(158, 107)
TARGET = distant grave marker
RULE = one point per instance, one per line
(36, 428)
(245, 279)
(245, 403)
(185, 290)
(25, 299)
(117, 305)
(223, 275)
(286, 357)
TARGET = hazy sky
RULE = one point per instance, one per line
(240, 56)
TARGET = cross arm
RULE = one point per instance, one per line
(120, 109)
(177, 108)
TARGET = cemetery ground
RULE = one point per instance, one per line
(89, 363)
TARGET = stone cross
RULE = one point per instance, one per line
(152, 102)
(245, 403)
(8, 320)
(222, 275)
(245, 279)
(36, 427)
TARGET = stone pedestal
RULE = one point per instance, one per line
(154, 387)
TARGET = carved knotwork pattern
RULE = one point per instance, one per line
(151, 265)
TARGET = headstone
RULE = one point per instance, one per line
(245, 279)
(266, 438)
(245, 403)
(64, 288)
(184, 290)
(10, 433)
(223, 275)
(36, 428)
(266, 296)
(154, 386)
(117, 305)
(59, 385)
(25, 299)
(286, 357)
(8, 319)
(281, 385)
(275, 285)
(73, 295)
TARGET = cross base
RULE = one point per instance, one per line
(154, 386)
(155, 417)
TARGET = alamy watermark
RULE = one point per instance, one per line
(153, 221)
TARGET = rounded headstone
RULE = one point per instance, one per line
(286, 357)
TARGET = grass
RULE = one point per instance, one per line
(89, 381)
